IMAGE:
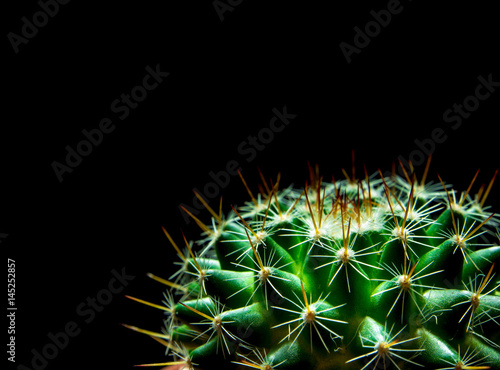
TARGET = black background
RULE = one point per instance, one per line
(226, 76)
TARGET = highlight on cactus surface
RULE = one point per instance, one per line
(358, 273)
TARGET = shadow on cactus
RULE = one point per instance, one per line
(371, 273)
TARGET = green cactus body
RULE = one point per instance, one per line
(354, 274)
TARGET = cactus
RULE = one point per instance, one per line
(355, 273)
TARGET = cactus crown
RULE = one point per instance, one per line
(356, 273)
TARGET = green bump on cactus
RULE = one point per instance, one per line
(367, 273)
